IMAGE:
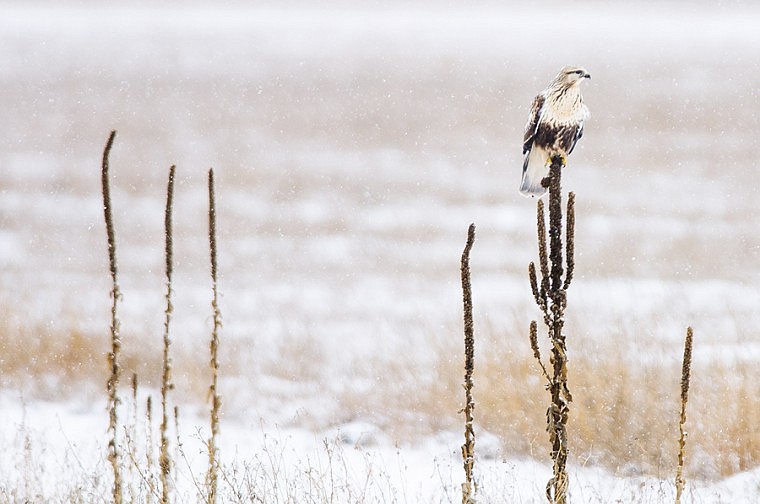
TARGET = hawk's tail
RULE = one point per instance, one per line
(535, 169)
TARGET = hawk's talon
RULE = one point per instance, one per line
(562, 158)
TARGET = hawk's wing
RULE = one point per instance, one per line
(536, 111)
(577, 134)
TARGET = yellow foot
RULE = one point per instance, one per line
(560, 157)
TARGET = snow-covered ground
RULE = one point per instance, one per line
(353, 144)
(57, 447)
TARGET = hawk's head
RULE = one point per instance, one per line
(572, 75)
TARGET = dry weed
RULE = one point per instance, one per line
(469, 487)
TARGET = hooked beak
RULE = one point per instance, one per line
(587, 76)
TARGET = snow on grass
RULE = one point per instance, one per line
(57, 449)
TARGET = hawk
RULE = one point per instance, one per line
(554, 127)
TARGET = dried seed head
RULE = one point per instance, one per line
(543, 257)
(686, 368)
(534, 339)
(570, 240)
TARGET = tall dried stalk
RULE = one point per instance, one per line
(685, 376)
(551, 297)
(150, 469)
(113, 356)
(469, 487)
(164, 459)
(130, 434)
(216, 402)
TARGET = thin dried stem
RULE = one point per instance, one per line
(212, 474)
(134, 389)
(469, 487)
(113, 356)
(149, 454)
(685, 378)
(164, 458)
(178, 445)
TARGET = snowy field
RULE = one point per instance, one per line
(353, 144)
(53, 450)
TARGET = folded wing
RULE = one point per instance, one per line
(534, 119)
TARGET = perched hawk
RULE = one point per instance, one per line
(554, 126)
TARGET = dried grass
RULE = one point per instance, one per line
(622, 405)
(623, 401)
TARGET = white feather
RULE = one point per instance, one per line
(535, 170)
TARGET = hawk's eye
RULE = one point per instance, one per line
(579, 72)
